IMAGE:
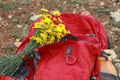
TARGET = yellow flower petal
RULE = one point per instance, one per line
(59, 29)
(56, 13)
(44, 10)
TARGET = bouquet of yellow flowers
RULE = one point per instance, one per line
(48, 30)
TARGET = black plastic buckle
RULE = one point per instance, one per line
(105, 55)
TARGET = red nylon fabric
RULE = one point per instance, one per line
(53, 64)
(77, 24)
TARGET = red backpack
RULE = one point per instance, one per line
(75, 57)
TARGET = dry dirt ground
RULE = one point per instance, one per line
(15, 18)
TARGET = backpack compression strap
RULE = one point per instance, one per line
(107, 76)
(69, 36)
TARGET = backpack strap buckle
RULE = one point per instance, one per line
(105, 55)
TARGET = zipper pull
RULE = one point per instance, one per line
(69, 50)
(69, 58)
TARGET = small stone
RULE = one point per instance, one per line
(117, 65)
(9, 16)
(0, 19)
(17, 40)
(17, 44)
(102, 3)
(112, 52)
(19, 26)
(64, 2)
(20, 8)
(12, 38)
(86, 12)
(74, 11)
(114, 29)
(117, 61)
(5, 31)
(116, 15)
(35, 17)
(106, 22)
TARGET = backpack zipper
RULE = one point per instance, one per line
(70, 59)
(67, 60)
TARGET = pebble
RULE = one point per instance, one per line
(65, 2)
(20, 8)
(19, 26)
(86, 12)
(17, 40)
(35, 17)
(116, 15)
(117, 65)
(17, 44)
(114, 29)
(0, 19)
(9, 16)
(74, 11)
(117, 61)
(102, 3)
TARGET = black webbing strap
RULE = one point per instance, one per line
(22, 72)
(105, 55)
(108, 43)
(69, 36)
(109, 75)
(36, 58)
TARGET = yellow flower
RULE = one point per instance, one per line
(42, 24)
(48, 21)
(56, 13)
(52, 39)
(44, 10)
(37, 25)
(58, 29)
(49, 32)
(49, 16)
(44, 36)
(42, 16)
(61, 25)
(59, 36)
(38, 40)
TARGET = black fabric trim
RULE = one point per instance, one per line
(109, 75)
(69, 36)
(108, 43)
